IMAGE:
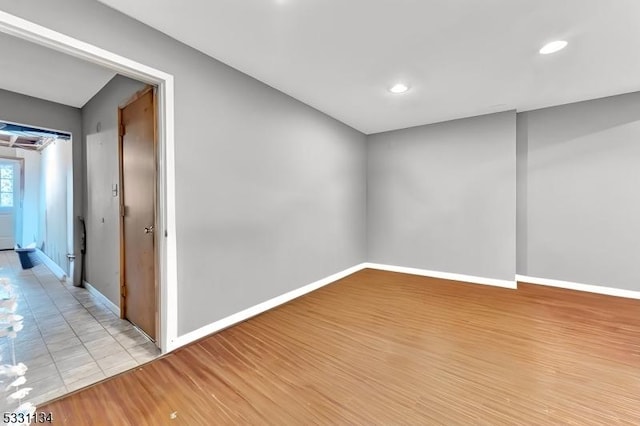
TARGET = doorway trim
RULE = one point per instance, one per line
(167, 262)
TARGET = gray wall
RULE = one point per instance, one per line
(101, 208)
(37, 112)
(580, 212)
(442, 197)
(270, 192)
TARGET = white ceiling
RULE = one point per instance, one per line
(460, 57)
(40, 72)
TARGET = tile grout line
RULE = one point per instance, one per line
(16, 272)
(138, 363)
(110, 334)
(53, 303)
(51, 295)
(78, 337)
(41, 333)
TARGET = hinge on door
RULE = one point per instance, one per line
(123, 291)
(122, 129)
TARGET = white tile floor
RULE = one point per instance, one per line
(70, 339)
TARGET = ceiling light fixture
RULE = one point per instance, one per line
(553, 47)
(399, 88)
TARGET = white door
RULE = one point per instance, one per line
(9, 196)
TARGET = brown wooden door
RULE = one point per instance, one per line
(138, 180)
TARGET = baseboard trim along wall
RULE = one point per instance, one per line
(284, 298)
(262, 307)
(445, 275)
(108, 303)
(53, 266)
(609, 291)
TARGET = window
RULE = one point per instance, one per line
(6, 185)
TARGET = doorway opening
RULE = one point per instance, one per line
(85, 340)
(36, 194)
(73, 335)
(166, 233)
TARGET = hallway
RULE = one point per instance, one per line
(70, 339)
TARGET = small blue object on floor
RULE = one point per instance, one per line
(27, 255)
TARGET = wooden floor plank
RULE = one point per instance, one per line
(387, 348)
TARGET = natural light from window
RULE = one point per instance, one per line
(6, 185)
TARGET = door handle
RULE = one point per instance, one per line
(148, 230)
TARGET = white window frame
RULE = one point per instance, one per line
(15, 180)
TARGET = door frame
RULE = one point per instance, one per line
(168, 274)
(156, 207)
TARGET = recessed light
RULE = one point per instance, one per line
(553, 47)
(399, 88)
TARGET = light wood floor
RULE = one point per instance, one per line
(388, 349)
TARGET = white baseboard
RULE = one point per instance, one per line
(445, 275)
(261, 307)
(102, 298)
(53, 266)
(609, 291)
(284, 298)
